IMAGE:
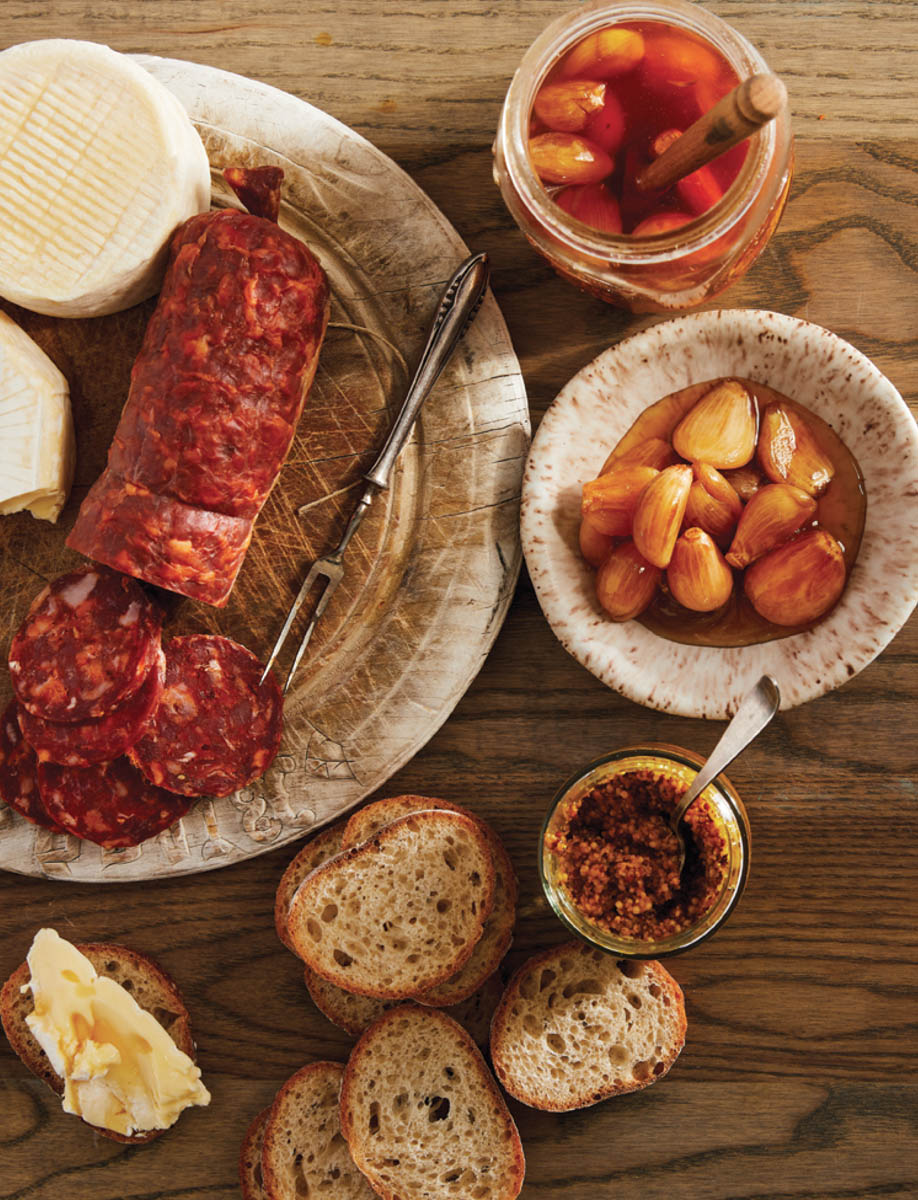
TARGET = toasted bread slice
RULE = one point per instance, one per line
(355, 1014)
(303, 1153)
(366, 822)
(399, 913)
(317, 850)
(150, 986)
(575, 1026)
(422, 1114)
(250, 1177)
(498, 929)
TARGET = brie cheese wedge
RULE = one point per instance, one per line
(36, 430)
(99, 163)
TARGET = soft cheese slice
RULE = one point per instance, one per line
(98, 165)
(121, 1070)
(36, 430)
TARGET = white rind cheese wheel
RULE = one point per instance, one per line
(36, 431)
(99, 163)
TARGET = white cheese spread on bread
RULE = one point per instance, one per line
(120, 1068)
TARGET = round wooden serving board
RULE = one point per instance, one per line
(431, 573)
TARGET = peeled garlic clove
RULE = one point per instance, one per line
(566, 107)
(652, 453)
(659, 513)
(745, 481)
(769, 519)
(626, 583)
(712, 505)
(697, 574)
(799, 581)
(595, 546)
(789, 452)
(610, 501)
(720, 429)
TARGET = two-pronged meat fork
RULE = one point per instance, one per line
(460, 302)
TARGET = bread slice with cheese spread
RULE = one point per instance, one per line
(398, 914)
(422, 1115)
(150, 986)
(575, 1026)
(303, 1153)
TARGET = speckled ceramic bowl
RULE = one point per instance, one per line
(601, 402)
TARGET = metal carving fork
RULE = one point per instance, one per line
(461, 300)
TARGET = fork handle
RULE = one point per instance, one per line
(459, 303)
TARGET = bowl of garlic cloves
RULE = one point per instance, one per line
(719, 497)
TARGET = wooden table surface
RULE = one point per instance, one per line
(799, 1074)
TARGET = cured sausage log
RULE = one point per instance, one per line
(216, 392)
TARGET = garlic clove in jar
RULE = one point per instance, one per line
(799, 581)
(659, 513)
(720, 429)
(772, 515)
(626, 582)
(698, 575)
(789, 453)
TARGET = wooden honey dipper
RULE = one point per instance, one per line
(755, 102)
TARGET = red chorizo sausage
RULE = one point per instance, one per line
(216, 392)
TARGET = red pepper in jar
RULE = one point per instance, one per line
(612, 105)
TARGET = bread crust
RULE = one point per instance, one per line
(250, 1158)
(497, 932)
(511, 1183)
(367, 821)
(299, 908)
(16, 1005)
(319, 849)
(502, 1047)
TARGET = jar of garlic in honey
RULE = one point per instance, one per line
(594, 100)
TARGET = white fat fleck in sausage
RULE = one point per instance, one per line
(75, 593)
(131, 616)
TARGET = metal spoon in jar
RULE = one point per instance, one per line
(753, 714)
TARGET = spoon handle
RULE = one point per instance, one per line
(753, 714)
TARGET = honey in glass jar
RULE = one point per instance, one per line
(597, 98)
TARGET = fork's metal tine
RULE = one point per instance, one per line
(331, 583)
(305, 588)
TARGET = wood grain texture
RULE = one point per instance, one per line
(799, 1080)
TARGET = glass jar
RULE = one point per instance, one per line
(724, 806)
(668, 271)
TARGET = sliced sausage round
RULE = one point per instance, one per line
(216, 727)
(110, 804)
(100, 739)
(85, 646)
(19, 772)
